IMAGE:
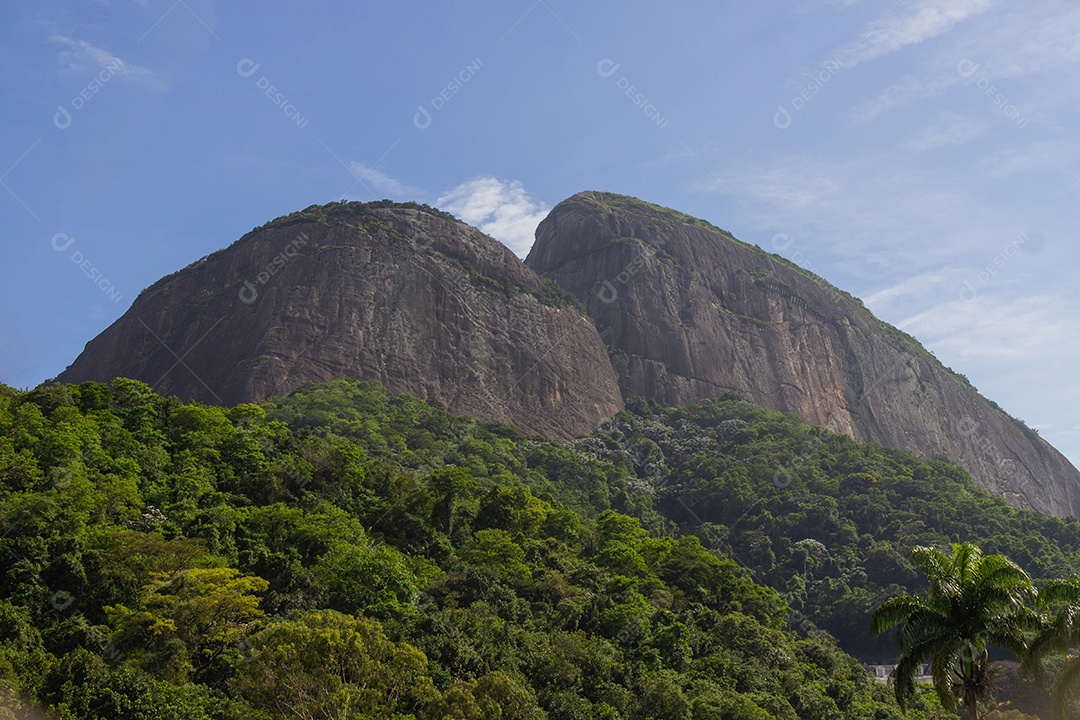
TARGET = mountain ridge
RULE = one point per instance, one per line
(618, 298)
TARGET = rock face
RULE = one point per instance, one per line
(424, 304)
(403, 295)
(690, 313)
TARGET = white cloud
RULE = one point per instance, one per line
(1039, 155)
(902, 26)
(953, 130)
(81, 59)
(1029, 43)
(879, 215)
(917, 286)
(1010, 44)
(503, 210)
(1017, 351)
(379, 182)
(908, 90)
(989, 329)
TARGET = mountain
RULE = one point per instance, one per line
(618, 298)
(690, 313)
(401, 294)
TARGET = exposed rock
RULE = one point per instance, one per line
(424, 304)
(403, 295)
(690, 313)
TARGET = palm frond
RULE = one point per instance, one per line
(966, 558)
(906, 670)
(898, 610)
(1057, 634)
(937, 568)
(1066, 590)
(942, 669)
(1065, 686)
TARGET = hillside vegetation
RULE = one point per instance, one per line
(342, 553)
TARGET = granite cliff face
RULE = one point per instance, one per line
(678, 311)
(690, 313)
(403, 295)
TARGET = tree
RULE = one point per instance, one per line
(373, 581)
(449, 483)
(973, 601)
(188, 620)
(661, 698)
(495, 696)
(497, 551)
(328, 665)
(1060, 634)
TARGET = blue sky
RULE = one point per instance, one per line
(921, 154)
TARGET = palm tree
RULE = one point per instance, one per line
(1059, 634)
(972, 601)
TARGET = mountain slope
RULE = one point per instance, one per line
(400, 294)
(690, 313)
(167, 560)
(421, 303)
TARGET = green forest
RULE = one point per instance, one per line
(341, 552)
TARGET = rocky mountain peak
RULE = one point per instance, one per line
(690, 313)
(618, 298)
(399, 293)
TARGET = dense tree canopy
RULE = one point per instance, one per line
(341, 552)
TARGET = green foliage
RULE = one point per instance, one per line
(328, 665)
(828, 522)
(185, 622)
(344, 552)
(1059, 636)
(973, 601)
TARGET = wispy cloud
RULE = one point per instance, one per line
(503, 210)
(80, 58)
(382, 183)
(1025, 43)
(907, 91)
(1001, 342)
(1009, 44)
(885, 302)
(903, 26)
(878, 215)
(1017, 330)
(1008, 161)
(952, 129)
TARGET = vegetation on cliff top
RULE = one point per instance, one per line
(364, 217)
